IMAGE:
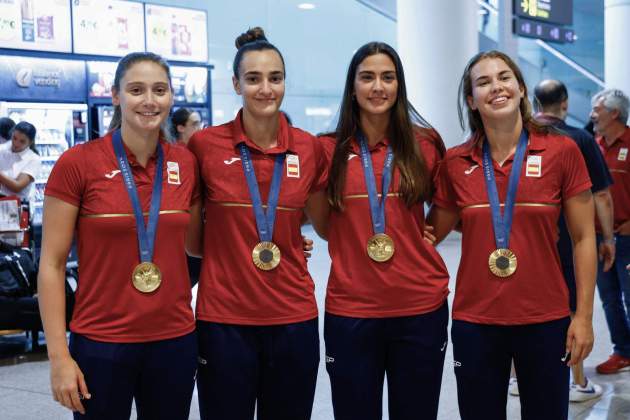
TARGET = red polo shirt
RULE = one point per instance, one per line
(618, 160)
(552, 172)
(108, 307)
(232, 289)
(415, 279)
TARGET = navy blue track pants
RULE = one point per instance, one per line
(409, 350)
(158, 375)
(272, 369)
(483, 355)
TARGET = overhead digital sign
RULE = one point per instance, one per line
(176, 33)
(107, 27)
(550, 11)
(544, 31)
(41, 25)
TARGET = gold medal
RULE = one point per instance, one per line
(146, 277)
(502, 262)
(380, 247)
(266, 255)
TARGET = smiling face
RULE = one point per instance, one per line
(602, 117)
(261, 83)
(376, 85)
(145, 97)
(496, 92)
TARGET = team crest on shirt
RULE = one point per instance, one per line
(534, 166)
(293, 166)
(172, 173)
(623, 154)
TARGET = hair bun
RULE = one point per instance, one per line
(252, 35)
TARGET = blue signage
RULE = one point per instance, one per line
(39, 79)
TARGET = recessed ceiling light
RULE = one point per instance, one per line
(306, 6)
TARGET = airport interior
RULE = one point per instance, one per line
(58, 67)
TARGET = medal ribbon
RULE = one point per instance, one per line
(503, 224)
(146, 234)
(377, 210)
(264, 220)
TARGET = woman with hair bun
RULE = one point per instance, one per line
(132, 329)
(256, 310)
(507, 186)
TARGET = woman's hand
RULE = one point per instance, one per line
(308, 246)
(579, 339)
(68, 384)
(428, 234)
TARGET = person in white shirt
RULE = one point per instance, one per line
(6, 125)
(19, 162)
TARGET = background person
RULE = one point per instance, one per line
(6, 125)
(19, 162)
(184, 123)
(610, 116)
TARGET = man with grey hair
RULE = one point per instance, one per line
(610, 116)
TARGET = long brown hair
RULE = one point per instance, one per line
(404, 122)
(475, 124)
(125, 64)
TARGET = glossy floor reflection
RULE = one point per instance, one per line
(25, 393)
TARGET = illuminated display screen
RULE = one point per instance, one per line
(550, 11)
(107, 27)
(544, 31)
(176, 33)
(41, 25)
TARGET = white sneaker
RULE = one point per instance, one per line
(513, 387)
(579, 393)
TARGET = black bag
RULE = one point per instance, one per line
(18, 274)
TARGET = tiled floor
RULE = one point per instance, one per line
(25, 394)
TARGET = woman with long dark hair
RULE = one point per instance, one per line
(19, 161)
(184, 123)
(386, 310)
(132, 326)
(507, 186)
(256, 310)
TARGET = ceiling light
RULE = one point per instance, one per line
(306, 6)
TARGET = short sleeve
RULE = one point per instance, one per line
(432, 149)
(444, 193)
(196, 192)
(67, 180)
(33, 167)
(575, 178)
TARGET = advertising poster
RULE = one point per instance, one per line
(25, 78)
(41, 25)
(177, 34)
(190, 84)
(100, 78)
(107, 27)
